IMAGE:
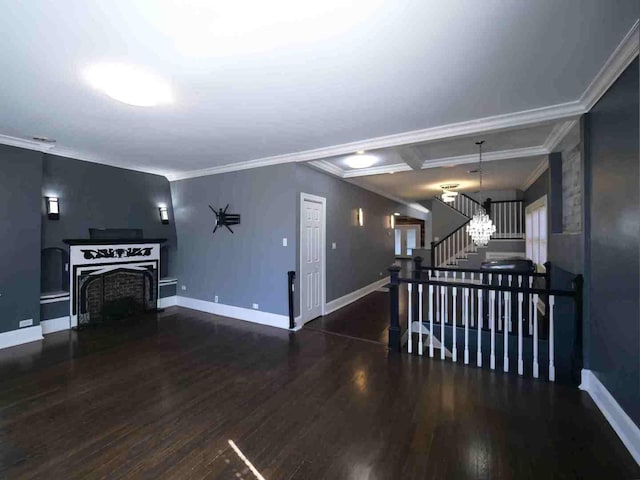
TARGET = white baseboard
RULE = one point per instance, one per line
(55, 325)
(621, 423)
(20, 336)
(246, 314)
(167, 301)
(345, 300)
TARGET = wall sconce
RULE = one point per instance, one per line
(53, 208)
(360, 217)
(392, 221)
(164, 215)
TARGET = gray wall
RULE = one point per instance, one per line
(539, 188)
(101, 196)
(20, 205)
(612, 149)
(249, 266)
(363, 254)
(444, 220)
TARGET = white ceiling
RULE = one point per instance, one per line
(274, 78)
(412, 186)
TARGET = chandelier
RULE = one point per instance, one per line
(480, 227)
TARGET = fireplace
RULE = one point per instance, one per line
(116, 295)
(112, 280)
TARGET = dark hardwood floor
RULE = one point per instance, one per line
(162, 399)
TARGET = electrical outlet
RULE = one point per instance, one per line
(380, 274)
(284, 242)
(184, 287)
(255, 306)
(215, 298)
(26, 323)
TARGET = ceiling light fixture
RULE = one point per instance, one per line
(480, 227)
(361, 161)
(129, 84)
(448, 195)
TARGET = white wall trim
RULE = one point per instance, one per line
(345, 300)
(20, 336)
(246, 314)
(166, 302)
(168, 281)
(621, 423)
(535, 175)
(55, 325)
(54, 298)
(617, 62)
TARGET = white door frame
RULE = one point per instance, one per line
(323, 249)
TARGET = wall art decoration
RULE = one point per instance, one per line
(224, 219)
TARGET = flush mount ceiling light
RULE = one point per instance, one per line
(361, 161)
(129, 84)
(480, 227)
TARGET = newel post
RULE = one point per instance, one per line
(394, 309)
(433, 254)
(417, 272)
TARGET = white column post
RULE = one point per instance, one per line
(420, 341)
(479, 352)
(409, 319)
(432, 307)
(492, 324)
(536, 370)
(507, 305)
(552, 368)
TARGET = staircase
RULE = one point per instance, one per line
(508, 217)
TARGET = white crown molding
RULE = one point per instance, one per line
(361, 172)
(617, 62)
(559, 132)
(328, 167)
(26, 143)
(488, 157)
(620, 58)
(539, 170)
(487, 124)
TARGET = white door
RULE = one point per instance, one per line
(311, 257)
(407, 238)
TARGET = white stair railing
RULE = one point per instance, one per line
(451, 299)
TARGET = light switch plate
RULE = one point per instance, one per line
(284, 242)
(255, 306)
(333, 246)
(215, 298)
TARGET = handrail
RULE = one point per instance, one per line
(435, 244)
(506, 201)
(469, 198)
(485, 286)
(473, 270)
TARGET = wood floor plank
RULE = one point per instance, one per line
(162, 397)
